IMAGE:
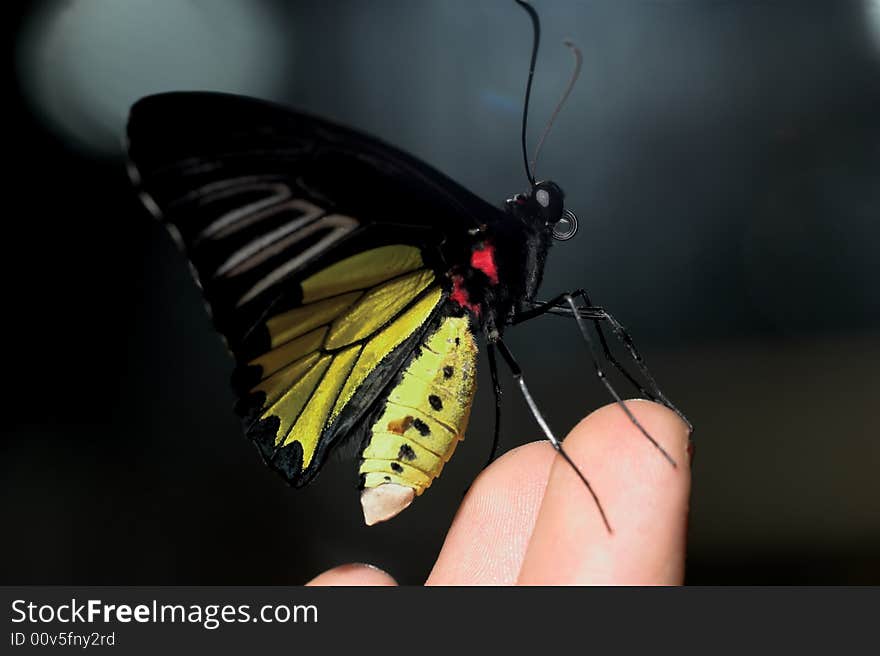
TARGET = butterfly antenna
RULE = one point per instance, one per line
(578, 62)
(536, 28)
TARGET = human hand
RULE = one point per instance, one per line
(528, 520)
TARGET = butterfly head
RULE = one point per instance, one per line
(544, 204)
(544, 208)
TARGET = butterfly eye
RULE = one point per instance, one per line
(566, 227)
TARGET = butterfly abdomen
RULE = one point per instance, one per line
(423, 419)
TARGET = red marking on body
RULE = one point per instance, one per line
(400, 426)
(460, 295)
(483, 259)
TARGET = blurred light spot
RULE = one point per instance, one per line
(872, 16)
(82, 64)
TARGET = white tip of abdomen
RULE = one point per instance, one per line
(385, 501)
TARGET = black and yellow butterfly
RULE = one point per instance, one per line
(349, 280)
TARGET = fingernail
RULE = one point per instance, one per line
(357, 566)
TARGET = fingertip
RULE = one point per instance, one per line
(499, 510)
(644, 497)
(353, 574)
(617, 435)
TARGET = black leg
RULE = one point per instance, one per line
(598, 315)
(496, 387)
(655, 392)
(624, 337)
(540, 308)
(600, 372)
(545, 428)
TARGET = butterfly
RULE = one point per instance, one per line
(351, 283)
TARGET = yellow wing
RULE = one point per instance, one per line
(312, 379)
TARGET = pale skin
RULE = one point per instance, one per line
(527, 519)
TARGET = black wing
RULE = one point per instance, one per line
(321, 253)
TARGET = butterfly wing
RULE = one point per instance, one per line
(321, 254)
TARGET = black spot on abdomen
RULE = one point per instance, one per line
(422, 427)
(448, 371)
(435, 402)
(406, 453)
(395, 467)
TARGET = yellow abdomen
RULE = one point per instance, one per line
(424, 418)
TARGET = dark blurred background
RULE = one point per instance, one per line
(723, 157)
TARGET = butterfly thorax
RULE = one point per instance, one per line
(504, 262)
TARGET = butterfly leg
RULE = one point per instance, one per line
(600, 372)
(496, 388)
(517, 374)
(624, 338)
(597, 315)
(564, 305)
